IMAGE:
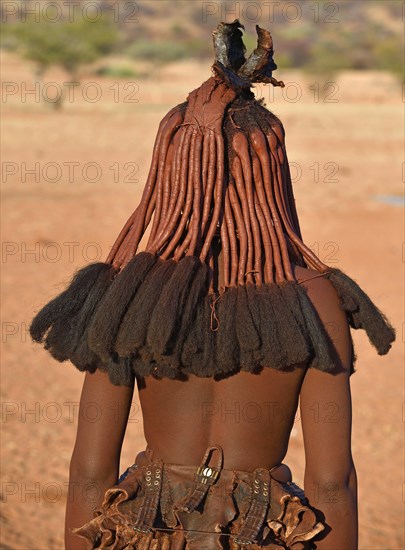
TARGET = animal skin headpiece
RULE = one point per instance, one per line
(219, 181)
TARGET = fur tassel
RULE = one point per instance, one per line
(272, 353)
(167, 370)
(69, 302)
(146, 351)
(119, 371)
(166, 317)
(210, 362)
(254, 304)
(228, 351)
(82, 356)
(134, 327)
(68, 335)
(106, 321)
(192, 356)
(246, 331)
(294, 327)
(187, 319)
(171, 360)
(362, 312)
(200, 349)
(294, 341)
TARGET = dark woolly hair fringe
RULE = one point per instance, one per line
(197, 290)
(68, 302)
(68, 334)
(362, 312)
(166, 317)
(105, 323)
(133, 330)
(119, 370)
(201, 349)
(192, 355)
(82, 356)
(157, 318)
(211, 365)
(189, 285)
(272, 354)
(246, 330)
(290, 337)
(228, 350)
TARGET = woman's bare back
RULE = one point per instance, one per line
(249, 415)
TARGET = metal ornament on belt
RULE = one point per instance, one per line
(205, 476)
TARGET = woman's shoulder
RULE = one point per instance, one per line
(319, 288)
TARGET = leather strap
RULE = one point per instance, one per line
(205, 476)
(258, 508)
(325, 273)
(148, 509)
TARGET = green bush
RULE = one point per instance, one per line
(160, 52)
(389, 56)
(168, 51)
(117, 71)
(67, 44)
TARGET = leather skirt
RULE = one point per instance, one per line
(159, 505)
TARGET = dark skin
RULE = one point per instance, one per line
(253, 412)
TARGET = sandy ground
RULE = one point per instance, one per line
(344, 154)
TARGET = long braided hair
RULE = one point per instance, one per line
(219, 179)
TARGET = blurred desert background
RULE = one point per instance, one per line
(74, 166)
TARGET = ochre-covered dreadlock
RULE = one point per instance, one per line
(219, 175)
